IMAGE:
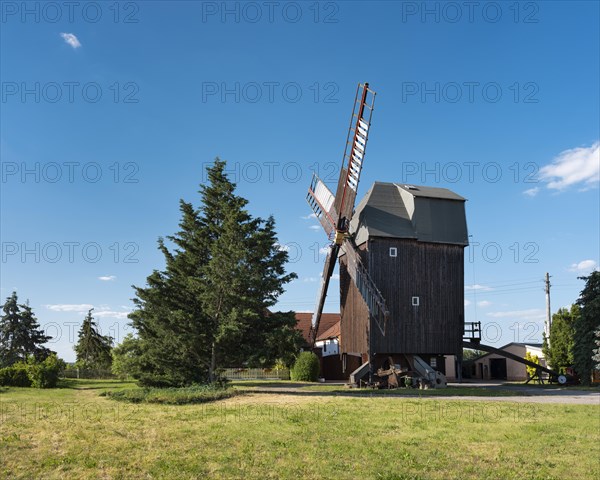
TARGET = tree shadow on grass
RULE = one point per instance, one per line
(483, 393)
(91, 384)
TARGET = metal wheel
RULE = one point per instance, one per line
(562, 379)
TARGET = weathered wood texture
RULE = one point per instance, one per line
(433, 272)
(354, 331)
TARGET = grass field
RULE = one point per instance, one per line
(73, 432)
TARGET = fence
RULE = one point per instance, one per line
(257, 374)
(86, 373)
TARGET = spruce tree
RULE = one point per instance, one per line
(243, 277)
(172, 328)
(93, 350)
(585, 326)
(209, 307)
(20, 333)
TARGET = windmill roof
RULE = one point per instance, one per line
(427, 214)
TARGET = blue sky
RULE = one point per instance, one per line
(109, 114)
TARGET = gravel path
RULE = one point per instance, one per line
(523, 394)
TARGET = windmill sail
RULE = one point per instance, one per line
(322, 294)
(321, 201)
(354, 153)
(335, 212)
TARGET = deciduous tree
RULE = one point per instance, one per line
(559, 351)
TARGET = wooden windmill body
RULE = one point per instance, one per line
(411, 240)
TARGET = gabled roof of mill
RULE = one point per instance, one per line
(426, 214)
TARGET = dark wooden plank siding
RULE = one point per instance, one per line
(434, 273)
(354, 325)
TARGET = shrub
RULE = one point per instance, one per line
(15, 376)
(532, 358)
(306, 368)
(45, 374)
(173, 396)
(37, 374)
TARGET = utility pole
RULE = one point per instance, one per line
(548, 322)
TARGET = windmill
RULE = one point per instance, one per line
(390, 339)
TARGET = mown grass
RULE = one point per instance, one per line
(172, 396)
(74, 432)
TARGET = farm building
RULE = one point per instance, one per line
(328, 320)
(496, 367)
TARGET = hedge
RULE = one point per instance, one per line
(32, 373)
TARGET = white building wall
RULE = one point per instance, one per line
(329, 347)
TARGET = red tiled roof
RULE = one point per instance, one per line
(328, 320)
(331, 332)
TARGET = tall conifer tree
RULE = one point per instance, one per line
(20, 333)
(93, 349)
(209, 307)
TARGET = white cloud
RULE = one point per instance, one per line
(308, 217)
(107, 278)
(324, 250)
(584, 266)
(476, 286)
(467, 302)
(80, 308)
(484, 303)
(310, 279)
(71, 39)
(315, 227)
(100, 312)
(110, 314)
(532, 192)
(335, 276)
(104, 311)
(529, 314)
(577, 166)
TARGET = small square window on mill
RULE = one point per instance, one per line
(415, 301)
(393, 252)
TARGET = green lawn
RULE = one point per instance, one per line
(73, 432)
